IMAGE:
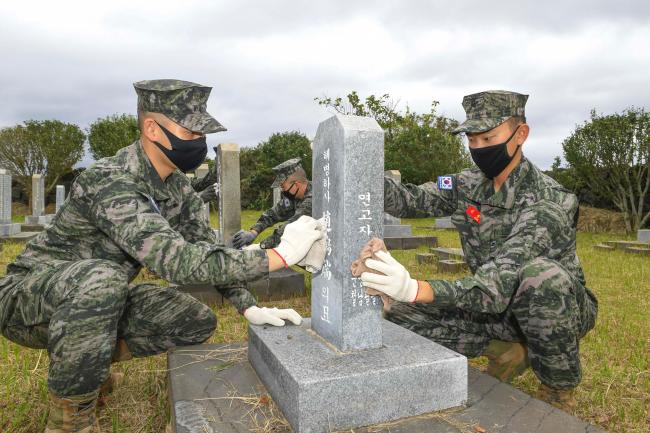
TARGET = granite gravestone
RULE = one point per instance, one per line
(347, 367)
(60, 196)
(7, 228)
(277, 195)
(393, 226)
(227, 160)
(201, 172)
(38, 216)
(643, 236)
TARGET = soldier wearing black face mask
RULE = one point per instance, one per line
(295, 202)
(526, 303)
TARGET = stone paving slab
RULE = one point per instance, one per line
(638, 250)
(604, 247)
(32, 227)
(621, 245)
(214, 389)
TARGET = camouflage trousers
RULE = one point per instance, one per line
(78, 310)
(550, 312)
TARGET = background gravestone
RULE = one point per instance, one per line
(38, 216)
(60, 197)
(7, 228)
(346, 366)
(643, 236)
(277, 195)
(227, 158)
(201, 172)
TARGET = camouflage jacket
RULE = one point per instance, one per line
(286, 209)
(201, 183)
(121, 211)
(530, 216)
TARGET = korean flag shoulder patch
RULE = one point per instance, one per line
(445, 182)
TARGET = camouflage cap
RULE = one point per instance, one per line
(284, 170)
(487, 110)
(182, 101)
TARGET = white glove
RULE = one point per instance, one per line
(217, 188)
(298, 238)
(272, 316)
(396, 281)
(252, 247)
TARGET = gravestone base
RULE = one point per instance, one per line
(638, 250)
(320, 389)
(448, 253)
(397, 230)
(32, 227)
(409, 242)
(41, 220)
(444, 223)
(9, 229)
(451, 266)
(621, 245)
(19, 237)
(282, 284)
(604, 247)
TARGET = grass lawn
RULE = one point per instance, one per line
(614, 394)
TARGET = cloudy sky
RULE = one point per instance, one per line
(267, 60)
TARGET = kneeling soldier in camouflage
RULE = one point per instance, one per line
(526, 303)
(70, 291)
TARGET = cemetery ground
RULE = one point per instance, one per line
(614, 393)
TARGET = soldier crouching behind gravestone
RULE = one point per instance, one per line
(294, 202)
(526, 303)
(70, 291)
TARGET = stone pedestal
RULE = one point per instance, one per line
(643, 236)
(321, 390)
(227, 160)
(347, 367)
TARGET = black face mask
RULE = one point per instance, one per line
(492, 160)
(289, 195)
(184, 154)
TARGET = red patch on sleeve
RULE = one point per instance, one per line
(474, 213)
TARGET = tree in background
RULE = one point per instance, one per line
(48, 147)
(108, 135)
(420, 146)
(257, 163)
(611, 154)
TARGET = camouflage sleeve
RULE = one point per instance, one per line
(131, 220)
(418, 201)
(201, 183)
(271, 216)
(194, 226)
(544, 229)
(273, 240)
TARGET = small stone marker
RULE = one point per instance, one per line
(227, 158)
(7, 228)
(200, 172)
(643, 236)
(347, 367)
(451, 266)
(604, 247)
(425, 258)
(60, 196)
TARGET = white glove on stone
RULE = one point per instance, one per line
(396, 281)
(297, 239)
(252, 247)
(272, 316)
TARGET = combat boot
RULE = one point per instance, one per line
(563, 399)
(507, 360)
(113, 380)
(73, 414)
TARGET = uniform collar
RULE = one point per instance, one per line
(505, 198)
(158, 189)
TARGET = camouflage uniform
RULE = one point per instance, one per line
(288, 209)
(70, 291)
(527, 283)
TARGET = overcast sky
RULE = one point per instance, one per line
(76, 61)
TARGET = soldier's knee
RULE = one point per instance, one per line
(205, 324)
(542, 274)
